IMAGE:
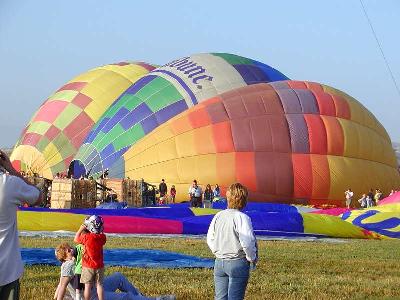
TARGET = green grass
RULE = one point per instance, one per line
(355, 269)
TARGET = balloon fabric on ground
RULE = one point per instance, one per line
(275, 220)
(138, 258)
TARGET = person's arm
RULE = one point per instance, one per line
(211, 235)
(246, 237)
(77, 238)
(24, 193)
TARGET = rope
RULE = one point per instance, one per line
(380, 48)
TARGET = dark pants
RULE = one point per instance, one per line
(195, 201)
(10, 291)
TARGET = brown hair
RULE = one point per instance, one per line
(61, 251)
(237, 196)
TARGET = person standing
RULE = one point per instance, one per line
(208, 197)
(163, 188)
(349, 197)
(173, 193)
(91, 236)
(15, 190)
(370, 196)
(217, 191)
(377, 196)
(195, 193)
(231, 239)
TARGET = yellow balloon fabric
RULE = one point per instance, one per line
(56, 131)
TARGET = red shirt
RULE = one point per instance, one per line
(93, 252)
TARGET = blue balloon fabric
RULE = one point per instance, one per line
(139, 258)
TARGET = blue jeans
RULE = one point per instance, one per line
(230, 278)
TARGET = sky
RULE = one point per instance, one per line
(44, 44)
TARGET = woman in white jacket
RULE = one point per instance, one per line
(232, 241)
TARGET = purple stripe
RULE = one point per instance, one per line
(109, 149)
(251, 74)
(307, 101)
(181, 82)
(279, 85)
(92, 135)
(140, 112)
(111, 158)
(122, 112)
(139, 84)
(289, 100)
(298, 133)
(149, 124)
(171, 111)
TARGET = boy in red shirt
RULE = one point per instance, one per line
(92, 260)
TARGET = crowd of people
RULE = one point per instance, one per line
(367, 200)
(230, 237)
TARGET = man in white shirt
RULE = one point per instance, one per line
(14, 191)
(349, 197)
(195, 193)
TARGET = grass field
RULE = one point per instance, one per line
(354, 269)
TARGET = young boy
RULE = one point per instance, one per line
(92, 259)
(64, 254)
(76, 280)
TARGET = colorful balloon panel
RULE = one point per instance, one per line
(159, 96)
(51, 139)
(267, 219)
(383, 219)
(281, 140)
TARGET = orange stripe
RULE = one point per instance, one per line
(334, 135)
(321, 176)
(302, 175)
(316, 134)
(297, 84)
(245, 170)
(325, 103)
(222, 136)
(342, 107)
(199, 117)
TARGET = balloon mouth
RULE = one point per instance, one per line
(77, 169)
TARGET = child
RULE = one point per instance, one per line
(64, 254)
(363, 201)
(76, 280)
(92, 259)
(173, 193)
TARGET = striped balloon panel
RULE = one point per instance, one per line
(288, 142)
(158, 97)
(58, 128)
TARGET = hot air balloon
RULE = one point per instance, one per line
(51, 139)
(157, 97)
(289, 141)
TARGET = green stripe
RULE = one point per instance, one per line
(39, 127)
(163, 97)
(112, 135)
(63, 145)
(129, 137)
(66, 95)
(67, 116)
(42, 144)
(234, 59)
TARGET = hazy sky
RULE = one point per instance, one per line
(44, 44)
